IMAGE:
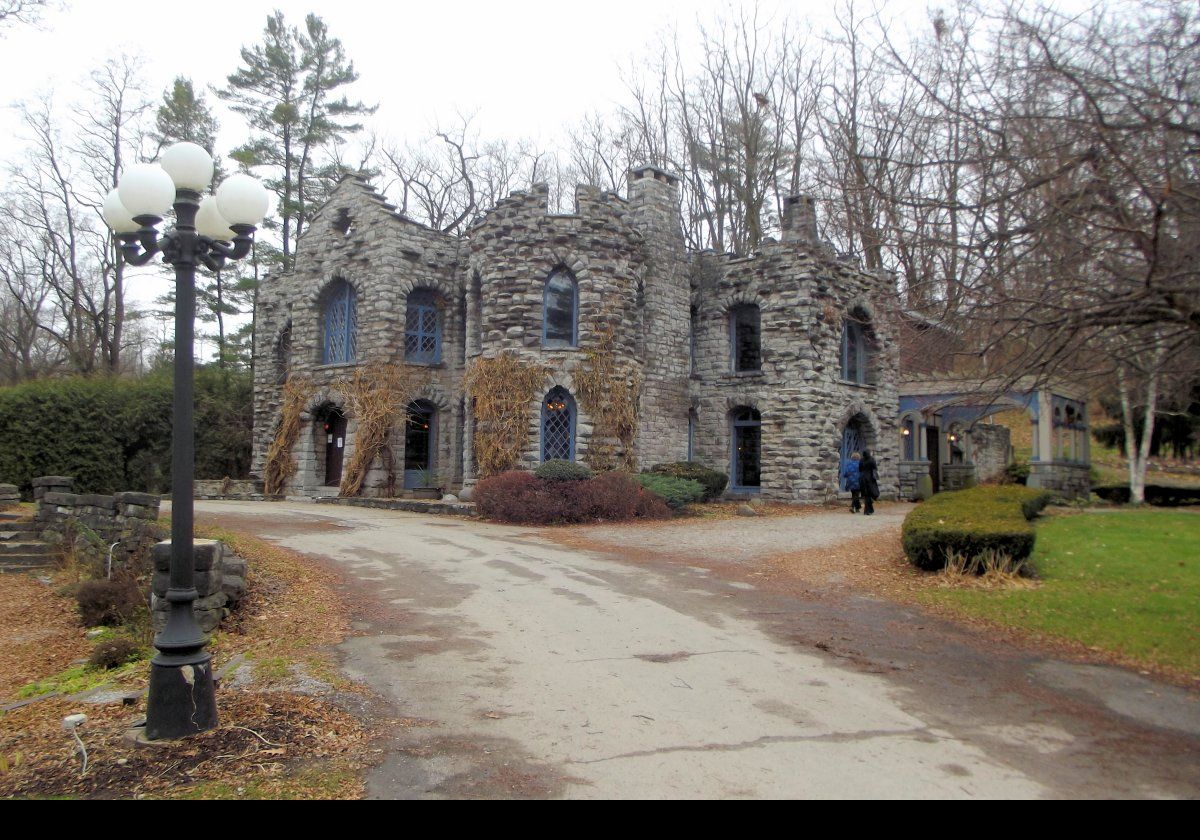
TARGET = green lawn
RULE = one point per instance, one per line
(1127, 581)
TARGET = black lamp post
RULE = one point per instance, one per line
(208, 232)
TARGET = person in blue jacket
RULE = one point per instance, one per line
(850, 475)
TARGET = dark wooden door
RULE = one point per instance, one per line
(335, 447)
(933, 440)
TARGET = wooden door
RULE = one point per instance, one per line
(933, 445)
(335, 447)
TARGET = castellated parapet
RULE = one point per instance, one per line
(671, 314)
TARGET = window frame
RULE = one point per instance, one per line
(422, 301)
(342, 295)
(554, 343)
(735, 335)
(559, 393)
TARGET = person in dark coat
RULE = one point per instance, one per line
(868, 481)
(850, 476)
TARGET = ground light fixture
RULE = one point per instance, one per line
(208, 233)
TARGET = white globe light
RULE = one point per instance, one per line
(210, 222)
(189, 165)
(146, 190)
(242, 200)
(117, 217)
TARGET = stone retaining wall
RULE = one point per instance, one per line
(220, 579)
(1071, 481)
(128, 520)
(10, 496)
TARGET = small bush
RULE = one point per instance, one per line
(714, 482)
(107, 602)
(558, 470)
(969, 524)
(523, 498)
(1017, 472)
(113, 653)
(678, 493)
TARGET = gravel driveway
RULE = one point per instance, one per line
(742, 539)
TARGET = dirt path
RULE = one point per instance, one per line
(525, 667)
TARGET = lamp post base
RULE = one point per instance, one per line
(182, 700)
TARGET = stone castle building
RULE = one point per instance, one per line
(770, 367)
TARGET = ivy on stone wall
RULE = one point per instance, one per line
(609, 391)
(280, 467)
(379, 396)
(502, 387)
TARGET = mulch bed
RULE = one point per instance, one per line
(260, 736)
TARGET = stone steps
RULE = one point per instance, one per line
(20, 549)
(25, 547)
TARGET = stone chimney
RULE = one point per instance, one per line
(800, 219)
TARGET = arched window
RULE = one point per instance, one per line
(422, 328)
(909, 450)
(560, 310)
(857, 353)
(747, 448)
(558, 426)
(745, 338)
(341, 324)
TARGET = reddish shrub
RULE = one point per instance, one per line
(522, 498)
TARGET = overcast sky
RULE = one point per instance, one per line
(527, 68)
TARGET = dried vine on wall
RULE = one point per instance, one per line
(279, 467)
(378, 395)
(502, 388)
(610, 392)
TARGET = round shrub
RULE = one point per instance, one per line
(712, 481)
(113, 653)
(678, 493)
(558, 470)
(107, 603)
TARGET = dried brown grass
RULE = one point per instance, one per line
(609, 392)
(279, 467)
(502, 388)
(379, 395)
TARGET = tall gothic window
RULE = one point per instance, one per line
(560, 310)
(856, 349)
(558, 426)
(422, 328)
(341, 324)
(745, 338)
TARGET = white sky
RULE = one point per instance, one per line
(527, 68)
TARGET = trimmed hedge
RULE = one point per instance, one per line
(524, 499)
(114, 435)
(714, 482)
(972, 522)
(1156, 495)
(559, 470)
(678, 493)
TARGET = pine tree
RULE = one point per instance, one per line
(287, 89)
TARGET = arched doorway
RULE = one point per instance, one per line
(747, 449)
(420, 434)
(331, 425)
(855, 438)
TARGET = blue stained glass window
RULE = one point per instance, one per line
(558, 426)
(422, 328)
(341, 324)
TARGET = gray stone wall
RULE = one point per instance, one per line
(635, 276)
(908, 474)
(991, 450)
(220, 580)
(958, 476)
(128, 520)
(803, 293)
(10, 496)
(1068, 480)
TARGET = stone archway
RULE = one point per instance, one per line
(858, 435)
